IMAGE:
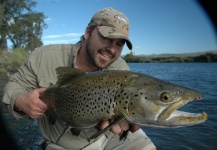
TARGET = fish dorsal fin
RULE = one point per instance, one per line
(65, 74)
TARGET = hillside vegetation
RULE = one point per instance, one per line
(207, 57)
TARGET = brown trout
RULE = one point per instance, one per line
(83, 99)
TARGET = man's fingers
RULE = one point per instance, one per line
(36, 115)
(116, 129)
(42, 105)
(104, 124)
(40, 90)
(119, 128)
(124, 126)
(134, 127)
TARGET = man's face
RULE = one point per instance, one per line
(102, 51)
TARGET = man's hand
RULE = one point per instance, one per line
(30, 103)
(119, 128)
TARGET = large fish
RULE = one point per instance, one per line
(82, 100)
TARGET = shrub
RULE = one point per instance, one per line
(12, 60)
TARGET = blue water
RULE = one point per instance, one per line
(199, 76)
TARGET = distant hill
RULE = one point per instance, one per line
(208, 56)
(181, 54)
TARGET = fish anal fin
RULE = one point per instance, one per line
(65, 74)
(75, 131)
(116, 121)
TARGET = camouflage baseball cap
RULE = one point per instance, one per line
(112, 24)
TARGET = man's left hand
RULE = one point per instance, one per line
(119, 128)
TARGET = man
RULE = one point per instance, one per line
(99, 49)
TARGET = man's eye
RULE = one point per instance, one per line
(120, 43)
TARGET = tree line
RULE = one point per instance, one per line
(20, 25)
(207, 57)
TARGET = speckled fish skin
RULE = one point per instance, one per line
(82, 99)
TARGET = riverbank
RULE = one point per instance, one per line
(207, 57)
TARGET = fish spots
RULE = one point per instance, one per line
(113, 105)
(136, 95)
(91, 97)
(145, 84)
(122, 91)
(161, 86)
(133, 113)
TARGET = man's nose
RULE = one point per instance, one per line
(111, 45)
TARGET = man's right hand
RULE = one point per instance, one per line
(30, 103)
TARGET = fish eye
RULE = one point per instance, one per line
(165, 97)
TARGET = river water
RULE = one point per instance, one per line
(199, 76)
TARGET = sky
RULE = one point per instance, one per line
(156, 26)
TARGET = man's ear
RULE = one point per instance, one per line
(87, 33)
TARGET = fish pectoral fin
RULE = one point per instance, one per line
(116, 121)
(75, 131)
(124, 135)
(51, 116)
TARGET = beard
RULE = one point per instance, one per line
(99, 58)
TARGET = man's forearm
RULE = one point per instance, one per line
(10, 93)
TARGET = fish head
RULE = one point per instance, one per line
(153, 102)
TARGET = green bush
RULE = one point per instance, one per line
(12, 60)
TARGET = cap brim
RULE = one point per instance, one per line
(114, 33)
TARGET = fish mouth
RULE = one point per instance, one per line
(174, 118)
